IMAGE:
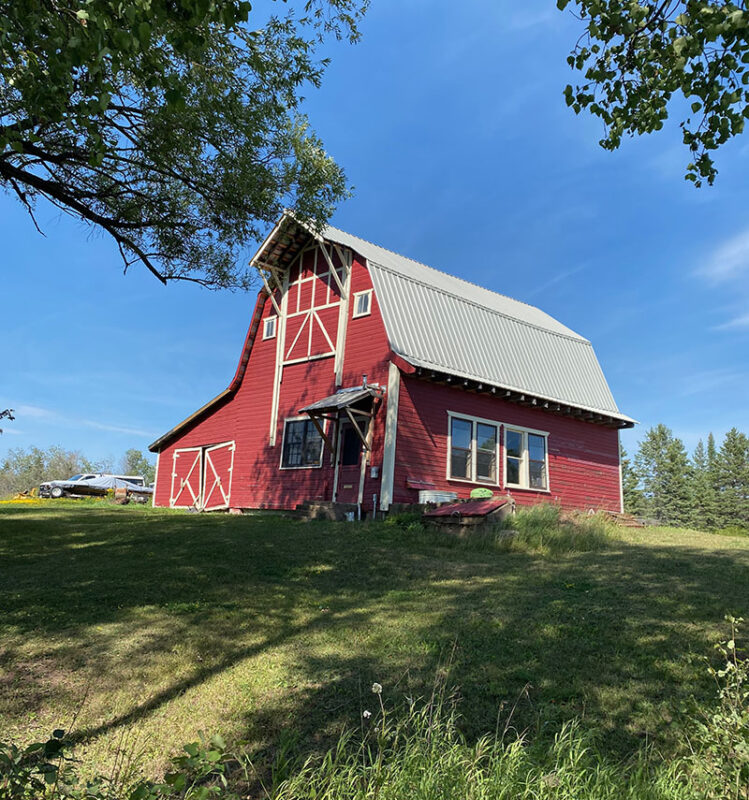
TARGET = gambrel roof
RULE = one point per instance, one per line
(439, 322)
(443, 324)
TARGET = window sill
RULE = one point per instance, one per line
(518, 488)
(475, 483)
(310, 466)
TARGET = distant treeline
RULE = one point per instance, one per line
(24, 469)
(708, 490)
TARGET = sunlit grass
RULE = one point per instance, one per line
(162, 624)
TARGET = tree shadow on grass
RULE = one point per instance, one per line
(614, 638)
(187, 601)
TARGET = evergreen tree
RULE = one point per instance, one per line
(703, 493)
(732, 472)
(634, 501)
(663, 466)
(712, 463)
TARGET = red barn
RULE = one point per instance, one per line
(368, 378)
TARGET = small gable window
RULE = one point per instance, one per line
(362, 303)
(269, 327)
(302, 444)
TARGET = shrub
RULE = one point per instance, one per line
(721, 757)
(409, 521)
(46, 771)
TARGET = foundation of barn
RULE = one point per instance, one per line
(327, 510)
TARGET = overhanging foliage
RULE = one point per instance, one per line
(172, 125)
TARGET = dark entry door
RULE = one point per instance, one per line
(349, 464)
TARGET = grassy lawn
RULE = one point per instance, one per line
(154, 625)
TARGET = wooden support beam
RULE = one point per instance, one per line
(270, 294)
(332, 269)
(326, 441)
(358, 430)
(362, 412)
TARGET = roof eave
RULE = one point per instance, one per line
(156, 446)
(521, 396)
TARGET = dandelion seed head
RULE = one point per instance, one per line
(376, 688)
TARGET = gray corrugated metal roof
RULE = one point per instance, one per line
(441, 322)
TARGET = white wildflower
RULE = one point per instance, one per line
(367, 714)
(376, 688)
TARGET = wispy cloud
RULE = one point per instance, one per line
(522, 20)
(713, 379)
(737, 323)
(55, 417)
(558, 278)
(101, 426)
(729, 261)
(35, 412)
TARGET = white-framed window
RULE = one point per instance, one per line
(269, 327)
(302, 444)
(472, 449)
(362, 304)
(526, 459)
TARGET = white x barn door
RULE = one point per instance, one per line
(219, 464)
(187, 478)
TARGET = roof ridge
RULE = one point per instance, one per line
(576, 338)
(440, 271)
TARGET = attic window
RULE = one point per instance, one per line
(269, 327)
(362, 304)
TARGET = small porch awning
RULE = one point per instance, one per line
(360, 401)
(342, 399)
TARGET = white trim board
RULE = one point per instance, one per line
(391, 432)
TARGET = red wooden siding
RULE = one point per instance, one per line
(257, 480)
(583, 458)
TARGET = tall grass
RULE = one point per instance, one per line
(542, 529)
(424, 757)
(545, 529)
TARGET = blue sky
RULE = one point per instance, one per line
(450, 122)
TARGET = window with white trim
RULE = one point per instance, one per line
(269, 327)
(472, 450)
(302, 444)
(362, 303)
(526, 459)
